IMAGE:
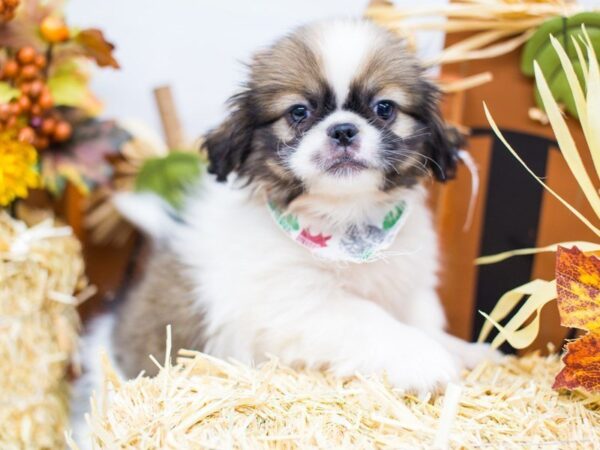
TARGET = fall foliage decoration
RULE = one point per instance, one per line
(32, 112)
(501, 26)
(497, 26)
(145, 163)
(577, 275)
(45, 95)
(578, 289)
(8, 9)
(53, 29)
(18, 171)
(538, 48)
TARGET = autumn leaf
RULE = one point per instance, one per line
(582, 365)
(7, 92)
(95, 46)
(170, 176)
(578, 289)
(69, 85)
(83, 160)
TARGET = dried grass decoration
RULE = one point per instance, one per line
(498, 27)
(40, 269)
(204, 402)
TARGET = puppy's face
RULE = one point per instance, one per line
(337, 108)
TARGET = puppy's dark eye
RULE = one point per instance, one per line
(298, 113)
(384, 109)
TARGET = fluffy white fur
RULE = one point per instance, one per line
(264, 294)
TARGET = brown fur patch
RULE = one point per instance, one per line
(164, 296)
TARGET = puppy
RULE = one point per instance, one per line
(309, 238)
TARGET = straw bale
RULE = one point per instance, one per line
(40, 270)
(203, 402)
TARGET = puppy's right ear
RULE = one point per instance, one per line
(230, 144)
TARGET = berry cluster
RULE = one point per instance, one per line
(32, 113)
(8, 9)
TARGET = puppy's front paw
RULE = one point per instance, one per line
(473, 354)
(411, 361)
(421, 367)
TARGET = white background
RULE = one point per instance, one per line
(196, 46)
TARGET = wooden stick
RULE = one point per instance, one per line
(466, 83)
(169, 117)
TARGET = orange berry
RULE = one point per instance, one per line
(63, 131)
(29, 72)
(36, 110)
(53, 29)
(35, 89)
(26, 135)
(15, 109)
(4, 112)
(24, 103)
(48, 126)
(26, 55)
(10, 69)
(25, 88)
(41, 143)
(40, 61)
(46, 101)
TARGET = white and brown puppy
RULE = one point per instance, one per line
(336, 125)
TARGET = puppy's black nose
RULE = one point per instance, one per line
(343, 133)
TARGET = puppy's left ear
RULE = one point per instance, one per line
(443, 141)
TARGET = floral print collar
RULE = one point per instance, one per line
(358, 243)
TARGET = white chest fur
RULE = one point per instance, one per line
(251, 277)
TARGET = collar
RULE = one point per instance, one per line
(357, 242)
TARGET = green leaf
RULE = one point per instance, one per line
(7, 92)
(170, 176)
(69, 87)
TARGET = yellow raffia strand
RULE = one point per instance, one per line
(540, 293)
(587, 101)
(18, 170)
(584, 246)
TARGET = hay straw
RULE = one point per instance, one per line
(499, 26)
(40, 269)
(204, 402)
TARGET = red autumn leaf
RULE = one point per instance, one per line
(578, 288)
(582, 365)
(95, 46)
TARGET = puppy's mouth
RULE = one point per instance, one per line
(345, 165)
